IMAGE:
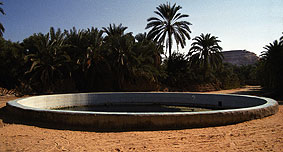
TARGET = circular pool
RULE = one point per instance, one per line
(227, 109)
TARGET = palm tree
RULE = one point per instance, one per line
(270, 50)
(85, 49)
(118, 51)
(81, 44)
(146, 46)
(206, 52)
(168, 25)
(114, 30)
(97, 67)
(147, 54)
(12, 64)
(271, 58)
(176, 70)
(77, 45)
(49, 63)
(2, 29)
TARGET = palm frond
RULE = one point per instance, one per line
(168, 25)
(206, 47)
(1, 9)
(2, 30)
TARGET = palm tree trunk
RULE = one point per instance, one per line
(170, 43)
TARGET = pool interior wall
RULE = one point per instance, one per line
(38, 108)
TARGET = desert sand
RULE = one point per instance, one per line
(257, 135)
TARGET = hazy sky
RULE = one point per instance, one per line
(239, 24)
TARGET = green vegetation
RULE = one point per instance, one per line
(270, 69)
(111, 59)
(12, 63)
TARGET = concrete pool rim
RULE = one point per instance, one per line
(144, 120)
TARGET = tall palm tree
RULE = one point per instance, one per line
(2, 29)
(167, 25)
(206, 52)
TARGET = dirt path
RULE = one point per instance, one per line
(257, 135)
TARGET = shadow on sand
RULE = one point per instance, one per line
(262, 93)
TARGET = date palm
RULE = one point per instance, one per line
(272, 73)
(80, 42)
(49, 63)
(118, 51)
(168, 25)
(147, 46)
(148, 58)
(96, 65)
(205, 52)
(2, 29)
(114, 30)
(84, 49)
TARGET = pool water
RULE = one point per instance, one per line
(134, 108)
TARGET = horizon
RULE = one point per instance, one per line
(247, 25)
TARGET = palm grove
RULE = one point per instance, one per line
(111, 59)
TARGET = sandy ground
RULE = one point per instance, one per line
(257, 135)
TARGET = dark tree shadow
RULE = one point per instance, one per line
(262, 93)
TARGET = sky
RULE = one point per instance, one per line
(239, 24)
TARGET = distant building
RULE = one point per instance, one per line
(240, 57)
